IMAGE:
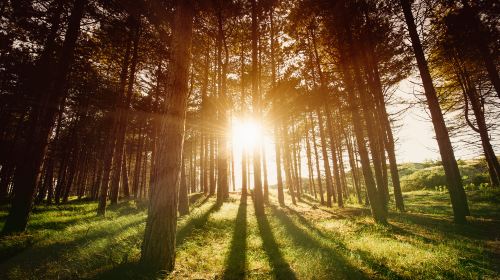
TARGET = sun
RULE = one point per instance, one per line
(246, 133)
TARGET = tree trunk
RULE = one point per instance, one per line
(281, 196)
(39, 126)
(258, 196)
(455, 187)
(333, 149)
(316, 155)
(183, 192)
(326, 161)
(158, 248)
(287, 160)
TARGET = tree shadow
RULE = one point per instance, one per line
(474, 229)
(305, 222)
(333, 262)
(129, 270)
(281, 269)
(34, 257)
(194, 223)
(236, 259)
(198, 202)
(193, 198)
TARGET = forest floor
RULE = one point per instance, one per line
(307, 241)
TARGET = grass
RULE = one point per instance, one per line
(306, 241)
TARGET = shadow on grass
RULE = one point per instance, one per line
(333, 262)
(29, 258)
(194, 198)
(474, 229)
(194, 223)
(123, 208)
(304, 221)
(202, 199)
(281, 269)
(130, 270)
(236, 259)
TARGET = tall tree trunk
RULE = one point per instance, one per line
(281, 196)
(222, 160)
(264, 167)
(378, 211)
(277, 143)
(471, 94)
(158, 248)
(288, 162)
(183, 192)
(455, 187)
(122, 112)
(309, 161)
(326, 161)
(333, 149)
(352, 164)
(40, 124)
(316, 156)
(258, 196)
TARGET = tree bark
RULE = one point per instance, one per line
(455, 187)
(40, 123)
(158, 248)
(258, 196)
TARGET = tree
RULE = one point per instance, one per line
(50, 93)
(158, 249)
(455, 187)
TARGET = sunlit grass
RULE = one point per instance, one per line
(307, 241)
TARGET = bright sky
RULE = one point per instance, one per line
(415, 137)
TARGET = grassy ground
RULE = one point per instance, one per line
(306, 241)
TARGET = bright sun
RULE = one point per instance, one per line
(246, 133)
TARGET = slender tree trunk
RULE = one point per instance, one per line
(386, 127)
(333, 149)
(222, 160)
(183, 192)
(281, 196)
(455, 187)
(471, 94)
(258, 196)
(326, 161)
(122, 119)
(40, 124)
(316, 155)
(309, 161)
(264, 167)
(287, 160)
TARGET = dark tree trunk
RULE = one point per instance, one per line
(455, 187)
(333, 149)
(471, 94)
(183, 192)
(158, 248)
(122, 111)
(258, 196)
(222, 160)
(316, 155)
(354, 173)
(326, 161)
(281, 196)
(40, 124)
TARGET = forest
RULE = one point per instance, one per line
(249, 139)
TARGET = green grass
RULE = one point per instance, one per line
(307, 241)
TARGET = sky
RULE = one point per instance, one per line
(414, 133)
